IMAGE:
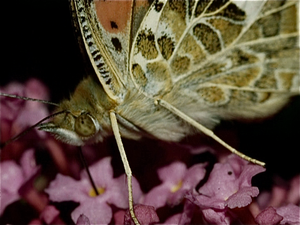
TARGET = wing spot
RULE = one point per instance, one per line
(108, 81)
(228, 30)
(179, 7)
(145, 44)
(239, 58)
(286, 79)
(270, 25)
(166, 46)
(213, 95)
(242, 98)
(201, 5)
(216, 5)
(139, 75)
(113, 25)
(266, 81)
(117, 44)
(240, 78)
(208, 38)
(158, 6)
(233, 12)
(180, 64)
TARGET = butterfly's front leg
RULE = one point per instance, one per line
(115, 129)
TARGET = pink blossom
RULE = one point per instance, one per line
(228, 187)
(21, 114)
(145, 214)
(16, 115)
(49, 214)
(268, 216)
(289, 214)
(177, 180)
(14, 177)
(293, 196)
(111, 191)
(185, 216)
(83, 220)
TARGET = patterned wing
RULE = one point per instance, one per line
(228, 58)
(106, 28)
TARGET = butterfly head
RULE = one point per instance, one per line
(83, 118)
(73, 128)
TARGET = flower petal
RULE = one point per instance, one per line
(230, 182)
(118, 192)
(268, 216)
(242, 198)
(96, 211)
(65, 188)
(290, 214)
(28, 163)
(157, 197)
(145, 214)
(101, 172)
(216, 217)
(83, 220)
(173, 172)
(11, 180)
(49, 214)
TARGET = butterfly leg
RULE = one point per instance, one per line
(128, 172)
(206, 131)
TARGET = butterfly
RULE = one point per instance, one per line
(174, 68)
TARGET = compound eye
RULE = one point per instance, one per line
(85, 126)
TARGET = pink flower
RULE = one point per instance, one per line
(21, 114)
(14, 177)
(83, 220)
(289, 214)
(268, 216)
(16, 115)
(145, 214)
(280, 194)
(49, 214)
(96, 208)
(228, 187)
(185, 217)
(177, 180)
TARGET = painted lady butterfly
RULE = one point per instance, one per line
(173, 66)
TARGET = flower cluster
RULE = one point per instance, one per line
(41, 180)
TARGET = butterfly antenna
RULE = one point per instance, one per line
(2, 145)
(88, 171)
(28, 99)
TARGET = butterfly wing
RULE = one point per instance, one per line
(227, 58)
(106, 28)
